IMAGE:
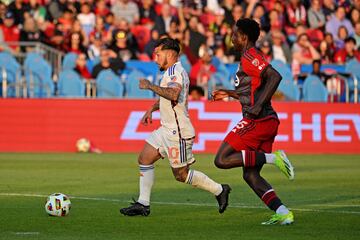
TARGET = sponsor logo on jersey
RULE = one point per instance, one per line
(261, 66)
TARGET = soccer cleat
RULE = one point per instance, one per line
(223, 198)
(135, 209)
(282, 219)
(283, 163)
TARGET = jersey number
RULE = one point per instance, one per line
(240, 125)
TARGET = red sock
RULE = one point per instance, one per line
(271, 200)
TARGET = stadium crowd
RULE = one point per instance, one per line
(115, 31)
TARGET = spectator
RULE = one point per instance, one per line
(147, 12)
(275, 22)
(37, 11)
(67, 21)
(3, 10)
(303, 52)
(162, 22)
(237, 13)
(338, 20)
(316, 70)
(218, 28)
(196, 93)
(123, 25)
(295, 15)
(228, 6)
(19, 8)
(357, 35)
(30, 33)
(86, 19)
(195, 36)
(56, 9)
(266, 49)
(326, 53)
(100, 30)
(76, 28)
(149, 47)
(96, 46)
(330, 42)
(57, 38)
(259, 16)
(329, 8)
(9, 30)
(316, 17)
(81, 67)
(120, 47)
(203, 69)
(75, 44)
(354, 16)
(101, 9)
(341, 36)
(109, 21)
(174, 32)
(115, 64)
(126, 9)
(280, 48)
(173, 6)
(348, 52)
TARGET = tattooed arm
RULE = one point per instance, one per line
(171, 92)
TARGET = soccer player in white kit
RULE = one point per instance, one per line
(175, 137)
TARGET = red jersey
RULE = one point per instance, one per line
(249, 84)
(11, 34)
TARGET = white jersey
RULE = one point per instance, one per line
(174, 115)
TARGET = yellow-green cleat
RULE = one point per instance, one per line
(282, 219)
(284, 164)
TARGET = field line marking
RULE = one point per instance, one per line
(188, 204)
(27, 233)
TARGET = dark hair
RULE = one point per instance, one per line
(168, 44)
(249, 27)
(198, 89)
(350, 39)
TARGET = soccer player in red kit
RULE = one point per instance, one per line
(249, 144)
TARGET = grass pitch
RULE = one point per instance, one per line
(325, 198)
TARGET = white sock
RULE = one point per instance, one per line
(147, 177)
(282, 210)
(270, 158)
(200, 180)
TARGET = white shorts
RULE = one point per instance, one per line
(179, 152)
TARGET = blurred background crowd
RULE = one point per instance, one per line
(112, 32)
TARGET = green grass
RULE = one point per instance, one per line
(325, 198)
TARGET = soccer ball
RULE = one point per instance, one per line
(58, 204)
(83, 145)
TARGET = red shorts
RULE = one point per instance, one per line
(255, 135)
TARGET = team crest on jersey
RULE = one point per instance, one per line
(255, 62)
(173, 78)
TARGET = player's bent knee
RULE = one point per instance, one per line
(219, 162)
(180, 178)
(180, 174)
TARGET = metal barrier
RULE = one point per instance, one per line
(52, 55)
(17, 84)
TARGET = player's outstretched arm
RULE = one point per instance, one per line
(223, 93)
(170, 93)
(272, 79)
